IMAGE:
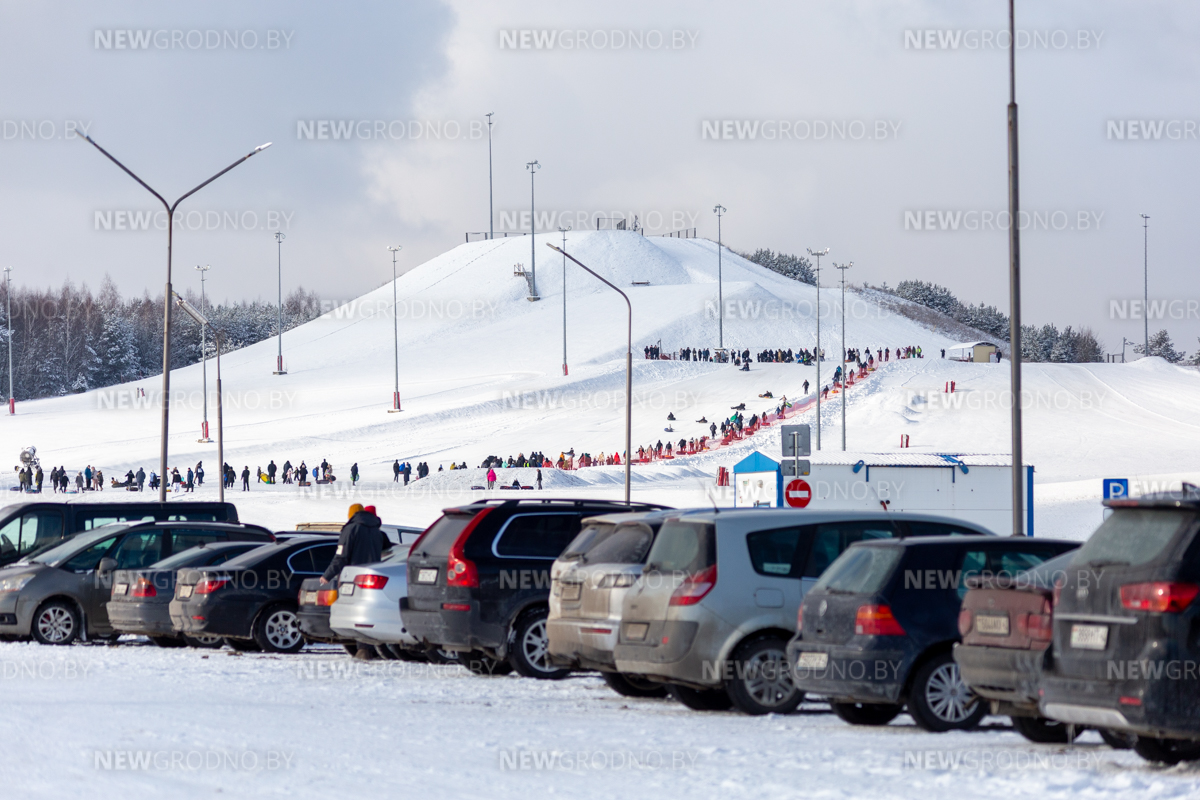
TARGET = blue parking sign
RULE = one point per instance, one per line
(1116, 488)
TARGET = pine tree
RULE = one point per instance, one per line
(1161, 346)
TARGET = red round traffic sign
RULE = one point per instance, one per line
(797, 493)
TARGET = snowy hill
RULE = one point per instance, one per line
(480, 374)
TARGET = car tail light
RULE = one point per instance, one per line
(695, 587)
(800, 619)
(210, 585)
(877, 620)
(456, 606)
(370, 581)
(1159, 596)
(143, 588)
(461, 571)
(1039, 627)
(964, 622)
(326, 597)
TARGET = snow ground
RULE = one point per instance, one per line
(318, 724)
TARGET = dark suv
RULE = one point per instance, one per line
(1126, 646)
(479, 578)
(876, 631)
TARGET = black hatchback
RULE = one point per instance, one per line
(876, 632)
(479, 578)
(251, 600)
(1126, 646)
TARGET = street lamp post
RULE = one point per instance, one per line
(279, 237)
(395, 248)
(204, 356)
(166, 382)
(491, 213)
(1145, 284)
(720, 211)
(842, 268)
(564, 247)
(1014, 284)
(817, 255)
(12, 402)
(200, 318)
(533, 167)
(628, 370)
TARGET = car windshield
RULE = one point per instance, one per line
(592, 534)
(1045, 575)
(684, 547)
(56, 555)
(859, 570)
(628, 544)
(1133, 536)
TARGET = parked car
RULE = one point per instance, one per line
(479, 578)
(313, 605)
(396, 534)
(250, 601)
(61, 593)
(1126, 646)
(588, 584)
(875, 635)
(26, 528)
(140, 598)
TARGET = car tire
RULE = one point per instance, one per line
(633, 685)
(1117, 740)
(701, 699)
(762, 679)
(1167, 751)
(205, 641)
(529, 651)
(56, 622)
(1042, 730)
(483, 665)
(443, 657)
(242, 645)
(867, 713)
(385, 653)
(940, 701)
(167, 641)
(351, 649)
(277, 630)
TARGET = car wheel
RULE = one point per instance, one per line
(867, 713)
(529, 648)
(1041, 730)
(242, 645)
(1166, 751)
(204, 641)
(701, 699)
(1116, 739)
(351, 649)
(166, 641)
(483, 665)
(277, 630)
(443, 656)
(762, 680)
(385, 653)
(940, 701)
(633, 685)
(56, 622)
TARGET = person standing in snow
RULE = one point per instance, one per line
(140, 477)
(354, 473)
(271, 469)
(806, 387)
(491, 478)
(539, 479)
(246, 478)
(361, 541)
(396, 471)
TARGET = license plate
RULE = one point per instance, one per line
(992, 625)
(310, 598)
(346, 589)
(812, 660)
(185, 591)
(121, 588)
(572, 591)
(637, 630)
(427, 576)
(1089, 637)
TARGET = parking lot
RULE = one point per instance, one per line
(104, 721)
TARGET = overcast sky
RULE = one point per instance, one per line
(841, 124)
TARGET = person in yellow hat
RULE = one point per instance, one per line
(354, 509)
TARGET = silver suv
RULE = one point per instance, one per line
(716, 603)
(588, 584)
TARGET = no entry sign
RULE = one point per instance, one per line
(797, 493)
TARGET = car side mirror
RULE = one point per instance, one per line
(106, 566)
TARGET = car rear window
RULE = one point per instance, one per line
(860, 570)
(592, 534)
(1133, 536)
(1000, 563)
(536, 535)
(628, 543)
(442, 534)
(684, 547)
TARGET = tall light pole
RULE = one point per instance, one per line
(491, 213)
(196, 315)
(817, 255)
(564, 247)
(204, 356)
(279, 237)
(167, 295)
(842, 268)
(395, 248)
(533, 167)
(1145, 284)
(12, 402)
(1014, 283)
(628, 371)
(720, 211)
